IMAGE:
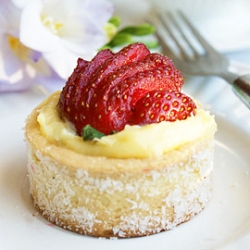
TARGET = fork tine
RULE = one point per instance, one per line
(184, 37)
(160, 20)
(163, 21)
(165, 48)
(198, 36)
(176, 41)
(160, 35)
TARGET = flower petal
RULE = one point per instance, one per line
(81, 23)
(20, 3)
(100, 10)
(33, 33)
(47, 38)
(62, 61)
(9, 18)
(14, 75)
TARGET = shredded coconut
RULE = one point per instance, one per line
(157, 201)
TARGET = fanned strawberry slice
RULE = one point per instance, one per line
(114, 102)
(131, 54)
(71, 87)
(113, 110)
(90, 80)
(124, 88)
(163, 105)
(154, 62)
(71, 95)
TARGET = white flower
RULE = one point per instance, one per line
(19, 65)
(20, 3)
(63, 30)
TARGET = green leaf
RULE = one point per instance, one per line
(115, 20)
(119, 39)
(140, 30)
(130, 34)
(89, 133)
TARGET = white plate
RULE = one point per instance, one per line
(224, 224)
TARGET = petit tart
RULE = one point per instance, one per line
(148, 171)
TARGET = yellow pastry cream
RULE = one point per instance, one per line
(151, 140)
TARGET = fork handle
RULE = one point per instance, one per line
(241, 87)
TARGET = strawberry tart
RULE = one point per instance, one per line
(121, 151)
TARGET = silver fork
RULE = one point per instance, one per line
(192, 54)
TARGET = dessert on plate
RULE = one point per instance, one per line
(121, 151)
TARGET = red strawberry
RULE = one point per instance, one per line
(162, 105)
(113, 104)
(153, 64)
(113, 110)
(70, 89)
(110, 91)
(75, 107)
(78, 81)
(129, 54)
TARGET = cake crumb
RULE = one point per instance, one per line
(35, 214)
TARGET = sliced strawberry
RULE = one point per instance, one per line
(130, 54)
(90, 82)
(163, 105)
(112, 105)
(113, 110)
(70, 87)
(160, 65)
(71, 95)
(111, 90)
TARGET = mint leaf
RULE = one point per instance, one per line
(115, 20)
(140, 30)
(131, 34)
(119, 39)
(89, 133)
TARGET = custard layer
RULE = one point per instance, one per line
(152, 140)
